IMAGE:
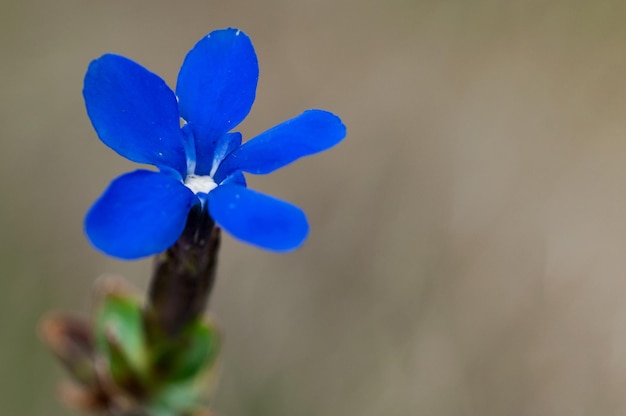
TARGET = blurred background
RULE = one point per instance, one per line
(468, 238)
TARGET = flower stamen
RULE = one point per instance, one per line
(197, 184)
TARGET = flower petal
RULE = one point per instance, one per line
(311, 132)
(216, 86)
(235, 178)
(134, 112)
(141, 213)
(258, 219)
(223, 147)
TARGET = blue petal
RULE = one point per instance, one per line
(216, 86)
(311, 132)
(134, 112)
(258, 219)
(140, 214)
(223, 147)
(235, 178)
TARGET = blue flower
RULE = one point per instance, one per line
(187, 136)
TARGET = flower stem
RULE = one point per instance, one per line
(183, 278)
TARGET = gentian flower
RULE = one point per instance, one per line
(188, 137)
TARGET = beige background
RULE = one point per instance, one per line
(468, 245)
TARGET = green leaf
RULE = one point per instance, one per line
(199, 352)
(120, 336)
(175, 399)
(191, 370)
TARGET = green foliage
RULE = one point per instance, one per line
(198, 351)
(170, 376)
(120, 339)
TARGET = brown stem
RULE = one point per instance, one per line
(183, 278)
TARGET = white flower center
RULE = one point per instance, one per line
(204, 184)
